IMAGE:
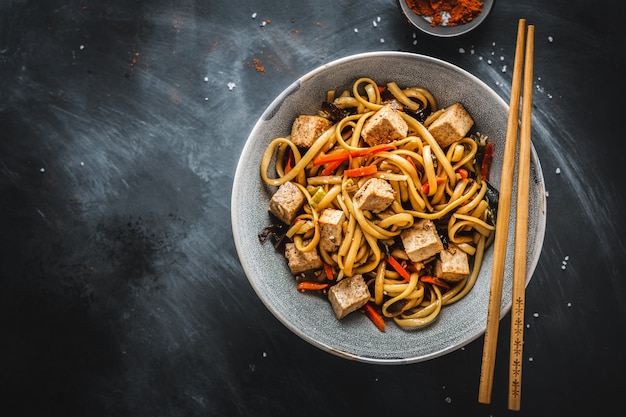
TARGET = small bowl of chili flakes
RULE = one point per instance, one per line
(446, 18)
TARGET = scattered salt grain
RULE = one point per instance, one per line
(558, 171)
(82, 164)
(569, 304)
(503, 68)
(535, 314)
(547, 193)
(448, 400)
(461, 50)
(530, 359)
(356, 30)
(493, 44)
(550, 39)
(231, 85)
(489, 61)
(374, 23)
(206, 79)
(42, 169)
(265, 354)
(82, 47)
(254, 15)
(382, 40)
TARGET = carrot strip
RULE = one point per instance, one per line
(484, 168)
(329, 272)
(291, 161)
(375, 316)
(426, 188)
(312, 286)
(399, 268)
(345, 154)
(361, 171)
(435, 281)
(331, 167)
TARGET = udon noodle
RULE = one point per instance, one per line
(443, 185)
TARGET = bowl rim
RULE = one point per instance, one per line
(238, 184)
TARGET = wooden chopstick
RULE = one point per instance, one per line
(521, 231)
(502, 224)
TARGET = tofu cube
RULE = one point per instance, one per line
(451, 126)
(331, 230)
(300, 262)
(384, 126)
(306, 129)
(375, 195)
(348, 295)
(453, 264)
(421, 241)
(286, 202)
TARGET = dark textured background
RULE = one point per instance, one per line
(121, 293)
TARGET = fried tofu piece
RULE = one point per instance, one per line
(384, 126)
(421, 241)
(301, 262)
(306, 129)
(348, 295)
(331, 229)
(451, 126)
(452, 264)
(286, 202)
(375, 195)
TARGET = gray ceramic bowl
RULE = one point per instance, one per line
(423, 24)
(309, 315)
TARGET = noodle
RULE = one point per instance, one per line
(427, 181)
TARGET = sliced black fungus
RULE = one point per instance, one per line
(492, 195)
(333, 112)
(276, 233)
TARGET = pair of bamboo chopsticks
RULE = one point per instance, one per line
(524, 51)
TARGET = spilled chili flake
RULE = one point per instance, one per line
(258, 65)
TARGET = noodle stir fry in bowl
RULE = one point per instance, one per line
(364, 206)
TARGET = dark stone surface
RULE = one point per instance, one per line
(121, 293)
